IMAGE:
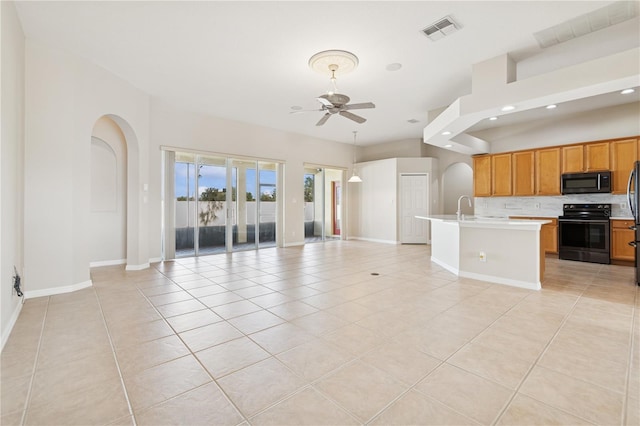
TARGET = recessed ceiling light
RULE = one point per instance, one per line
(446, 133)
(448, 145)
(296, 107)
(552, 106)
(508, 108)
(493, 118)
(394, 67)
(626, 91)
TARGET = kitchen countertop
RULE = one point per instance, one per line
(486, 221)
(620, 218)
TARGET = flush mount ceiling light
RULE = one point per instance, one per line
(493, 118)
(354, 176)
(448, 145)
(552, 106)
(627, 91)
(507, 108)
(447, 133)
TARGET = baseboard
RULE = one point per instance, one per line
(375, 240)
(31, 294)
(449, 268)
(500, 280)
(296, 244)
(137, 267)
(12, 322)
(100, 263)
(155, 260)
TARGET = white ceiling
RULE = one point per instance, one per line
(248, 61)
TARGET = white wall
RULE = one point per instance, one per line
(373, 204)
(64, 98)
(12, 164)
(396, 149)
(191, 131)
(108, 212)
(457, 180)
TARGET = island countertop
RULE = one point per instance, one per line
(487, 221)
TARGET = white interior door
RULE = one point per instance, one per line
(414, 193)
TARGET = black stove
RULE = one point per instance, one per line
(583, 233)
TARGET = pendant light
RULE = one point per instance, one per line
(354, 177)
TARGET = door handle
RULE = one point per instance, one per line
(633, 244)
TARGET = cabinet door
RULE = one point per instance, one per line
(596, 156)
(620, 237)
(523, 173)
(548, 171)
(573, 159)
(501, 174)
(549, 233)
(482, 176)
(623, 155)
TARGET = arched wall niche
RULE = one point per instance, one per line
(119, 128)
(107, 224)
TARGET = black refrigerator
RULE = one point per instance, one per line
(633, 195)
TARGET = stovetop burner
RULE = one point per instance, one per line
(586, 211)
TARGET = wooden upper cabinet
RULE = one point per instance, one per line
(482, 176)
(585, 157)
(548, 171)
(596, 156)
(623, 154)
(573, 159)
(523, 173)
(501, 174)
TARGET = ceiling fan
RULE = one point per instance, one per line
(336, 103)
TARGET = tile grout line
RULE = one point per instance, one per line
(625, 402)
(535, 363)
(115, 358)
(192, 353)
(35, 364)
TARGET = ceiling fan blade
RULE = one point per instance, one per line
(325, 102)
(352, 116)
(323, 119)
(360, 106)
(304, 110)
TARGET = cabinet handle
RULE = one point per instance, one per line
(633, 227)
(633, 244)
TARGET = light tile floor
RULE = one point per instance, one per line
(308, 335)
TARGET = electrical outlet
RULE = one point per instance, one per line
(536, 205)
(482, 256)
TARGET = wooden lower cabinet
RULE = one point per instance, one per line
(620, 237)
(548, 233)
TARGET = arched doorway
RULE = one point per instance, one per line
(457, 180)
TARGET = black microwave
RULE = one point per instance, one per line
(586, 183)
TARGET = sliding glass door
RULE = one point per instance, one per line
(223, 204)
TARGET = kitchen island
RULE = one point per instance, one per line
(494, 249)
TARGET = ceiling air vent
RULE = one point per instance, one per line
(443, 27)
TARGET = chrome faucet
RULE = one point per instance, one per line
(459, 212)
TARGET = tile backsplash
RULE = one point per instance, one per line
(546, 206)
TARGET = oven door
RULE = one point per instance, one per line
(584, 239)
